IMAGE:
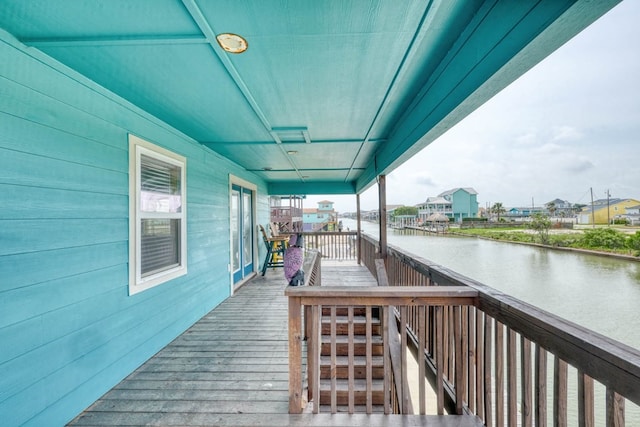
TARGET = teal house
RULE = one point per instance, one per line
(321, 218)
(140, 142)
(464, 202)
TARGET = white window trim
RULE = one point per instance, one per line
(137, 147)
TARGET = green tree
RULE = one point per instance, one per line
(498, 209)
(405, 210)
(541, 224)
(551, 207)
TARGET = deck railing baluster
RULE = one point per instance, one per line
(585, 400)
(499, 372)
(541, 386)
(512, 379)
(525, 374)
(559, 392)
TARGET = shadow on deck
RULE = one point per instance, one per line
(231, 369)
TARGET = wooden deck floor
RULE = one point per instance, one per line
(231, 369)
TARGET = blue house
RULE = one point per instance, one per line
(464, 203)
(322, 217)
(139, 144)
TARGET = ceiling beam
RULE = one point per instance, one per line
(321, 187)
(114, 41)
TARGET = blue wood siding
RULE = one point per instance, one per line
(68, 329)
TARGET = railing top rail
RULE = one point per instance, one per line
(329, 233)
(384, 295)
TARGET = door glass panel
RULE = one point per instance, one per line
(235, 230)
(247, 234)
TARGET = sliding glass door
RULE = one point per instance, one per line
(242, 226)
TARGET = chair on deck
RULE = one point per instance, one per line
(276, 246)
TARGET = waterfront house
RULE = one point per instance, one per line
(519, 213)
(321, 218)
(605, 210)
(140, 142)
(457, 203)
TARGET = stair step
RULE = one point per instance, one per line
(357, 311)
(359, 345)
(359, 325)
(359, 368)
(357, 409)
(359, 393)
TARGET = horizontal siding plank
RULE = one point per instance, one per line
(38, 171)
(37, 267)
(24, 236)
(96, 144)
(39, 300)
(28, 202)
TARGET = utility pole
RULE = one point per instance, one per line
(593, 213)
(608, 213)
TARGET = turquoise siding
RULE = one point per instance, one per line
(68, 329)
(464, 205)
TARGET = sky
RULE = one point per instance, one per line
(568, 125)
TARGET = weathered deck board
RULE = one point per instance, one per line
(231, 369)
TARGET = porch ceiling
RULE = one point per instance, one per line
(329, 93)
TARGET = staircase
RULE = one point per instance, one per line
(359, 361)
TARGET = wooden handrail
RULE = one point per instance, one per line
(383, 295)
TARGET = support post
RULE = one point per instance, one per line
(382, 202)
(359, 229)
(295, 355)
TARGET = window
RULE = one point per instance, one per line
(157, 200)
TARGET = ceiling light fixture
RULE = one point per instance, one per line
(232, 43)
(292, 152)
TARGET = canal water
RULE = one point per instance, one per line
(597, 292)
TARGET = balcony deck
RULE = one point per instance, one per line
(231, 369)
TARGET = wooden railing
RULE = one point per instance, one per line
(507, 361)
(346, 296)
(338, 245)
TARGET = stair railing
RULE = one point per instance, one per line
(348, 296)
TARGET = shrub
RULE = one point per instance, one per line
(604, 238)
(633, 242)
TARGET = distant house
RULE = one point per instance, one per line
(633, 215)
(606, 210)
(457, 203)
(321, 218)
(560, 207)
(523, 212)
